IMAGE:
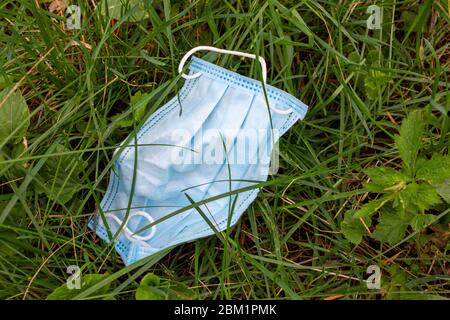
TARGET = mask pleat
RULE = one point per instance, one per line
(153, 163)
(220, 182)
(226, 119)
(249, 158)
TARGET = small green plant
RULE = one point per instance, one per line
(406, 195)
(137, 108)
(153, 287)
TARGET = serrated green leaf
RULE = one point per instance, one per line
(374, 82)
(87, 281)
(14, 116)
(371, 207)
(421, 220)
(153, 287)
(385, 179)
(435, 170)
(353, 228)
(408, 142)
(373, 58)
(419, 197)
(443, 189)
(392, 225)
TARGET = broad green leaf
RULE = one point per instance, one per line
(419, 197)
(392, 225)
(119, 8)
(353, 228)
(60, 175)
(385, 179)
(139, 108)
(153, 287)
(16, 169)
(138, 104)
(444, 190)
(421, 220)
(435, 170)
(371, 207)
(18, 152)
(408, 142)
(64, 293)
(14, 116)
(122, 121)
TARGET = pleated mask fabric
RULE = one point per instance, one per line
(212, 152)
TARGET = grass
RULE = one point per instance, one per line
(360, 84)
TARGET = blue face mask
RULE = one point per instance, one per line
(221, 142)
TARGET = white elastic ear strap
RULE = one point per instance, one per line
(237, 53)
(130, 234)
(208, 48)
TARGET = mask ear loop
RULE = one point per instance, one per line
(130, 234)
(236, 53)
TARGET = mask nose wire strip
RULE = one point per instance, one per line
(236, 53)
(130, 234)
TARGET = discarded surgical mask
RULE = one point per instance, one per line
(193, 168)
